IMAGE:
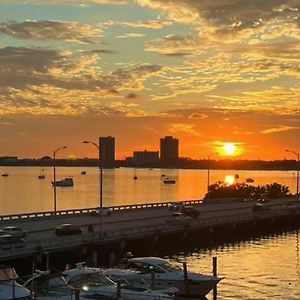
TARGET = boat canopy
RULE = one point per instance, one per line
(7, 273)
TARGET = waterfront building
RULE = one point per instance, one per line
(169, 151)
(107, 151)
(145, 158)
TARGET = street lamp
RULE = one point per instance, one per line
(208, 174)
(54, 175)
(297, 177)
(100, 185)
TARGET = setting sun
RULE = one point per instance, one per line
(229, 149)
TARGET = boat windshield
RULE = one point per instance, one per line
(169, 267)
(97, 279)
(136, 280)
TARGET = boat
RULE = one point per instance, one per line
(4, 175)
(68, 181)
(199, 284)
(93, 283)
(169, 181)
(9, 288)
(135, 177)
(249, 180)
(47, 286)
(134, 279)
(83, 172)
(41, 176)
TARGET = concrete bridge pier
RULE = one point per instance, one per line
(155, 244)
(94, 257)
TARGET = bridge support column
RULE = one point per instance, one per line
(95, 257)
(121, 248)
(154, 243)
(112, 260)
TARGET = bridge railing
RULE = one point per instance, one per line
(82, 211)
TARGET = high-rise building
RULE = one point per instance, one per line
(107, 151)
(169, 151)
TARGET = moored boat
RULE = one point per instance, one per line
(47, 286)
(93, 283)
(9, 288)
(169, 181)
(68, 181)
(199, 284)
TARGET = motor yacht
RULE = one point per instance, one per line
(47, 286)
(134, 279)
(9, 288)
(93, 283)
(199, 285)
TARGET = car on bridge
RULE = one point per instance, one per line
(13, 231)
(190, 211)
(105, 211)
(68, 229)
(260, 207)
(178, 218)
(10, 239)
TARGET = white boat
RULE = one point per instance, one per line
(94, 284)
(199, 285)
(68, 181)
(9, 288)
(47, 286)
(134, 279)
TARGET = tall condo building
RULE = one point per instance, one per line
(169, 150)
(107, 151)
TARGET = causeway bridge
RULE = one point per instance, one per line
(137, 222)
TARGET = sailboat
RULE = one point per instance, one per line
(42, 175)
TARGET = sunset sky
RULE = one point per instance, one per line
(207, 72)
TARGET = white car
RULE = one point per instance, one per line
(13, 231)
(105, 212)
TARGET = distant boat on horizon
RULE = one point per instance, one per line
(5, 175)
(169, 181)
(83, 172)
(249, 180)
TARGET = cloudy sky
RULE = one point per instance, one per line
(207, 72)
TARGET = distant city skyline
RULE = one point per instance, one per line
(210, 73)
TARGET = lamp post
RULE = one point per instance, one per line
(54, 175)
(100, 185)
(297, 177)
(208, 175)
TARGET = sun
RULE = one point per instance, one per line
(229, 149)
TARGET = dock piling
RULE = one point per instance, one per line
(215, 273)
(186, 279)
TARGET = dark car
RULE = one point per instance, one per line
(260, 207)
(68, 229)
(190, 211)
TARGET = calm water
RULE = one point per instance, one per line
(22, 191)
(266, 268)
